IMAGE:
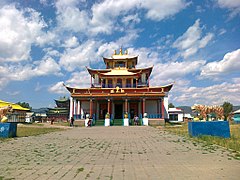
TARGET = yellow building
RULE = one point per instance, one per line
(18, 114)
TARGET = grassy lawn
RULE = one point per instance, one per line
(34, 131)
(232, 143)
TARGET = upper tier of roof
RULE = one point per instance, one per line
(120, 71)
(121, 56)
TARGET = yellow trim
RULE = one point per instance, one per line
(14, 106)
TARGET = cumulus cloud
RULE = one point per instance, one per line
(71, 42)
(159, 10)
(58, 88)
(78, 80)
(211, 95)
(229, 64)
(232, 5)
(191, 41)
(19, 29)
(170, 72)
(104, 16)
(70, 17)
(79, 57)
(25, 72)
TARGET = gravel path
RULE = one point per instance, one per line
(113, 153)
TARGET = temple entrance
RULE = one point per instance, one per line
(118, 111)
(102, 110)
(133, 109)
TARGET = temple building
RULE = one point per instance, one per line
(120, 89)
(61, 111)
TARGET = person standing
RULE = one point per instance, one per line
(71, 122)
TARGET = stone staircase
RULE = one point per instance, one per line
(100, 122)
(117, 122)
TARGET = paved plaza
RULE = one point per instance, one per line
(114, 153)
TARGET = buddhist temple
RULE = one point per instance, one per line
(121, 88)
(61, 111)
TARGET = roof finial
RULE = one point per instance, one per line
(120, 53)
(126, 52)
(115, 52)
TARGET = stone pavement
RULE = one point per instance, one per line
(113, 153)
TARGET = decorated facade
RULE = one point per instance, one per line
(120, 89)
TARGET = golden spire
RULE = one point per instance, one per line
(120, 53)
(115, 52)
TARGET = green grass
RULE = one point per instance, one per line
(232, 143)
(34, 131)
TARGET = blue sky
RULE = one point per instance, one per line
(195, 44)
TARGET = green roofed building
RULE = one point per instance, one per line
(61, 111)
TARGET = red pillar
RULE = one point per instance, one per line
(109, 105)
(91, 108)
(126, 105)
(144, 105)
(162, 102)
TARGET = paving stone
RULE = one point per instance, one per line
(113, 153)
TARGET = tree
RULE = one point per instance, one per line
(24, 105)
(227, 109)
(171, 105)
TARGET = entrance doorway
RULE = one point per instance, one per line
(118, 111)
(102, 110)
(133, 109)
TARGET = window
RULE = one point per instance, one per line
(119, 64)
(119, 83)
(110, 85)
(128, 83)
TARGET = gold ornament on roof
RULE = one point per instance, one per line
(120, 52)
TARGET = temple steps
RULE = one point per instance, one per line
(100, 122)
(117, 122)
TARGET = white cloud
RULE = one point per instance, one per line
(232, 5)
(103, 16)
(159, 10)
(229, 64)
(18, 72)
(78, 57)
(58, 88)
(70, 17)
(191, 41)
(19, 30)
(211, 95)
(222, 31)
(77, 80)
(71, 42)
(170, 72)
